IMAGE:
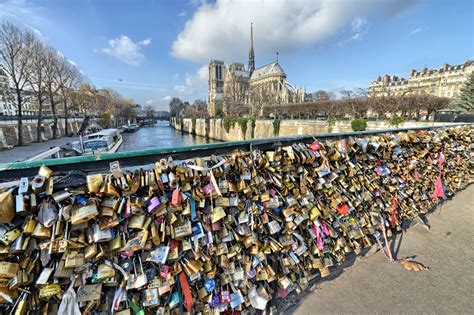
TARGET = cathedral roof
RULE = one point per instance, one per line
(271, 69)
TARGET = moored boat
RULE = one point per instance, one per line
(130, 128)
(104, 141)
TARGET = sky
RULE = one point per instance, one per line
(151, 50)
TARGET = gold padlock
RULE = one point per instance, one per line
(7, 207)
(94, 182)
(8, 269)
(84, 214)
(8, 238)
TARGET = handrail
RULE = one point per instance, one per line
(43, 117)
(100, 162)
(44, 155)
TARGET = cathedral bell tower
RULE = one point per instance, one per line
(251, 53)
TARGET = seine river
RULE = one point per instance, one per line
(160, 135)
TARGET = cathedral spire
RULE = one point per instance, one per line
(251, 53)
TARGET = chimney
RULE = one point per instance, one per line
(445, 67)
(386, 79)
(413, 72)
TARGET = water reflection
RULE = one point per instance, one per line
(158, 136)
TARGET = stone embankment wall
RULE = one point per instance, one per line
(214, 128)
(9, 131)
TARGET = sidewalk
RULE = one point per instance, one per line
(25, 152)
(372, 285)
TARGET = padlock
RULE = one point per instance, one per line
(7, 207)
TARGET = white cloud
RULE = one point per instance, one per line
(125, 50)
(415, 31)
(36, 31)
(23, 13)
(195, 84)
(145, 42)
(159, 103)
(197, 2)
(284, 26)
(180, 89)
(182, 13)
(72, 62)
(176, 76)
(359, 28)
(131, 85)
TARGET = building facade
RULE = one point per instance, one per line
(8, 99)
(234, 85)
(445, 81)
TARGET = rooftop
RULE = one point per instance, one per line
(273, 68)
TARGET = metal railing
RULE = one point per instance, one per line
(48, 154)
(100, 162)
(35, 117)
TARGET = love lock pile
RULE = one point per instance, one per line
(227, 233)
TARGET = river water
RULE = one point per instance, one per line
(158, 136)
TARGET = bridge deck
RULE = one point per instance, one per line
(375, 286)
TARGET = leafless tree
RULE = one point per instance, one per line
(68, 79)
(347, 94)
(322, 95)
(52, 67)
(197, 110)
(36, 77)
(361, 92)
(15, 53)
(149, 111)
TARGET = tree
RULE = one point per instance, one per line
(149, 111)
(465, 100)
(197, 110)
(434, 103)
(68, 80)
(361, 92)
(14, 56)
(176, 106)
(347, 94)
(51, 81)
(36, 76)
(321, 95)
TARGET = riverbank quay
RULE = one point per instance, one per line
(9, 130)
(234, 229)
(248, 129)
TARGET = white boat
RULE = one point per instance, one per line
(130, 128)
(104, 141)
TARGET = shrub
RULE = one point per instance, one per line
(359, 124)
(253, 120)
(243, 124)
(395, 121)
(193, 125)
(331, 121)
(219, 113)
(276, 126)
(228, 122)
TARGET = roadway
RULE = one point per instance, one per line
(21, 153)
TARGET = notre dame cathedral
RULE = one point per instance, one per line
(233, 85)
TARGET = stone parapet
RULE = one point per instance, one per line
(264, 128)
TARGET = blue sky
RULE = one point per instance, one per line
(160, 49)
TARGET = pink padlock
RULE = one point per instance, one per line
(208, 189)
(153, 204)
